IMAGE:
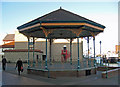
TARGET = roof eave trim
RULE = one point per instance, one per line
(98, 25)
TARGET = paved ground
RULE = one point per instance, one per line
(10, 77)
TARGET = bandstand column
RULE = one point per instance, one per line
(33, 52)
(28, 52)
(71, 51)
(94, 51)
(50, 51)
(82, 48)
(88, 51)
(46, 67)
(100, 55)
(78, 67)
(46, 32)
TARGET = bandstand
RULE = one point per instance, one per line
(61, 24)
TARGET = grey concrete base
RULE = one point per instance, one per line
(62, 73)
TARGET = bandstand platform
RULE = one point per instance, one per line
(63, 70)
(52, 73)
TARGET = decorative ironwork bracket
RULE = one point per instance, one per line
(93, 35)
(46, 32)
(76, 31)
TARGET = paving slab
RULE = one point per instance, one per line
(10, 77)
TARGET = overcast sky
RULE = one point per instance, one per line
(15, 14)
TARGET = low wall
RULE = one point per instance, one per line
(103, 68)
(63, 73)
(110, 73)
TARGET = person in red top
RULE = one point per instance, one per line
(64, 54)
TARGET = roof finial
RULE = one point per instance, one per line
(60, 7)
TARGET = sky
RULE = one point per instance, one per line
(14, 14)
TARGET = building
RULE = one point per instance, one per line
(9, 42)
(117, 47)
(18, 48)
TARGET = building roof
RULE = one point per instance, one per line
(9, 37)
(8, 45)
(61, 24)
(23, 50)
(60, 15)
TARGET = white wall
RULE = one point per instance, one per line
(56, 49)
(14, 56)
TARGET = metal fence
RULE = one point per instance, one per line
(58, 65)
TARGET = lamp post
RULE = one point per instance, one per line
(100, 54)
